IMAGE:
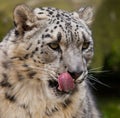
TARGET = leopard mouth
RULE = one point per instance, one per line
(53, 83)
(65, 82)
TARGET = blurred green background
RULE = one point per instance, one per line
(106, 33)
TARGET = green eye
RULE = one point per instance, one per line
(54, 46)
(85, 45)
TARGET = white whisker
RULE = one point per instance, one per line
(96, 80)
(102, 71)
(98, 68)
(91, 84)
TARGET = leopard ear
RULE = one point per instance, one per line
(86, 14)
(23, 19)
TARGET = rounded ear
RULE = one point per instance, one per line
(86, 14)
(23, 19)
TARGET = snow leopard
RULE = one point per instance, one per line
(44, 63)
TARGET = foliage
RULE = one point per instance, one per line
(110, 107)
(112, 59)
(106, 34)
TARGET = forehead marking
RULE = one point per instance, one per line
(59, 36)
(47, 36)
(65, 21)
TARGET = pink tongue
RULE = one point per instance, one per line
(65, 82)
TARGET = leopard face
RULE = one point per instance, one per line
(51, 42)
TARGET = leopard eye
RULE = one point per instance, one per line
(54, 46)
(85, 45)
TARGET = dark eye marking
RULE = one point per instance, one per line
(86, 43)
(54, 45)
(40, 13)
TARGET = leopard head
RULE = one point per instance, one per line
(56, 44)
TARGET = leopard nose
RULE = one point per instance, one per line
(75, 75)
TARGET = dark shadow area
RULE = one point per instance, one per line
(107, 48)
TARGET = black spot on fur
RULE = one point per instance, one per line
(15, 24)
(84, 111)
(59, 36)
(31, 74)
(36, 49)
(4, 82)
(10, 97)
(55, 27)
(29, 46)
(54, 110)
(41, 52)
(20, 77)
(16, 33)
(5, 65)
(72, 37)
(33, 52)
(41, 46)
(73, 117)
(47, 36)
(38, 41)
(50, 12)
(61, 58)
(24, 106)
(48, 114)
(43, 36)
(39, 62)
(5, 52)
(58, 15)
(51, 112)
(34, 60)
(26, 56)
(57, 22)
(26, 27)
(66, 103)
(25, 65)
(46, 30)
(51, 31)
(5, 76)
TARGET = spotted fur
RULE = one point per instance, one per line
(44, 43)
